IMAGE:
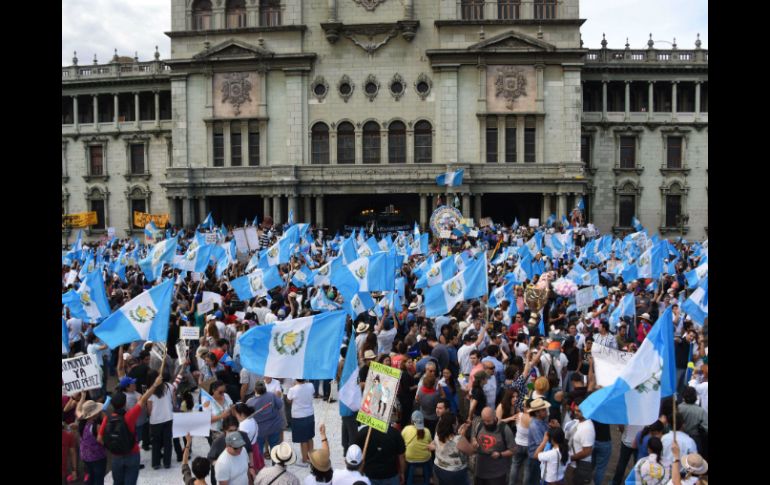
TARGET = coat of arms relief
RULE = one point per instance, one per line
(510, 84)
(235, 90)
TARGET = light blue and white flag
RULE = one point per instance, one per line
(282, 350)
(348, 250)
(626, 308)
(196, 259)
(65, 337)
(143, 318)
(257, 283)
(637, 224)
(151, 232)
(500, 293)
(630, 273)
(89, 303)
(576, 274)
(350, 391)
(358, 304)
(290, 219)
(278, 253)
(368, 248)
(321, 275)
(88, 265)
(420, 245)
(302, 277)
(600, 292)
(438, 273)
(581, 205)
(551, 220)
(416, 231)
(320, 303)
(375, 273)
(648, 377)
(161, 253)
(470, 283)
(451, 179)
(695, 276)
(208, 222)
(697, 305)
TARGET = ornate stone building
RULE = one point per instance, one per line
(333, 108)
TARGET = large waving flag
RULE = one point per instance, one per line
(695, 276)
(451, 179)
(470, 283)
(368, 248)
(278, 253)
(500, 293)
(350, 391)
(161, 253)
(89, 302)
(358, 304)
(650, 375)
(348, 250)
(143, 318)
(419, 245)
(320, 303)
(637, 224)
(208, 222)
(438, 273)
(321, 276)
(302, 277)
(88, 265)
(282, 350)
(697, 305)
(197, 258)
(256, 283)
(625, 308)
(375, 273)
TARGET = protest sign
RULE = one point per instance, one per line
(110, 232)
(189, 333)
(211, 237)
(80, 374)
(141, 219)
(534, 222)
(207, 302)
(240, 315)
(196, 276)
(241, 244)
(474, 233)
(584, 298)
(485, 221)
(379, 394)
(195, 423)
(252, 238)
(444, 234)
(82, 219)
(608, 363)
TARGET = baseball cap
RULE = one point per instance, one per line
(235, 439)
(354, 456)
(126, 381)
(418, 420)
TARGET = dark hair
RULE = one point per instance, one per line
(424, 347)
(159, 391)
(322, 477)
(445, 426)
(229, 421)
(689, 395)
(144, 354)
(557, 435)
(118, 401)
(505, 402)
(492, 350)
(244, 409)
(655, 446)
(479, 377)
(215, 385)
(476, 353)
(201, 467)
(223, 341)
(679, 421)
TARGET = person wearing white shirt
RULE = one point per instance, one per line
(270, 317)
(302, 420)
(386, 333)
(686, 444)
(75, 330)
(233, 464)
(581, 445)
(553, 463)
(605, 337)
(701, 384)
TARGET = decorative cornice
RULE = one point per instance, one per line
(239, 31)
(459, 23)
(334, 30)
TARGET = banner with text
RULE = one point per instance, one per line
(82, 219)
(141, 219)
(80, 374)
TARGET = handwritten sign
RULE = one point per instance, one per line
(485, 221)
(82, 219)
(608, 363)
(444, 234)
(379, 394)
(241, 243)
(584, 298)
(141, 219)
(189, 333)
(211, 237)
(80, 374)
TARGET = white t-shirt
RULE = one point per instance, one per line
(385, 340)
(270, 318)
(347, 477)
(273, 386)
(520, 348)
(301, 397)
(261, 312)
(162, 407)
(629, 434)
(686, 446)
(584, 437)
(551, 467)
(249, 378)
(75, 329)
(250, 427)
(703, 393)
(234, 469)
(464, 358)
(221, 328)
(561, 363)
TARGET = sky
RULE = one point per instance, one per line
(136, 26)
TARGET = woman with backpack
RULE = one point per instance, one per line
(268, 415)
(160, 408)
(92, 453)
(417, 439)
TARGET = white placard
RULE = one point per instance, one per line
(211, 237)
(189, 333)
(110, 232)
(252, 238)
(444, 251)
(80, 374)
(241, 244)
(444, 234)
(473, 233)
(240, 315)
(519, 242)
(71, 277)
(584, 298)
(608, 363)
(195, 276)
(208, 300)
(195, 423)
(534, 222)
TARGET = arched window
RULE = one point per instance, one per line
(235, 13)
(346, 143)
(674, 205)
(319, 142)
(137, 203)
(97, 202)
(397, 142)
(423, 142)
(201, 15)
(371, 142)
(472, 9)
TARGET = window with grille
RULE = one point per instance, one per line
(626, 210)
(529, 139)
(545, 9)
(202, 15)
(346, 143)
(235, 13)
(397, 142)
(674, 152)
(97, 205)
(269, 13)
(491, 133)
(371, 142)
(96, 160)
(137, 158)
(510, 139)
(472, 9)
(320, 144)
(508, 9)
(219, 145)
(236, 156)
(673, 209)
(253, 143)
(423, 142)
(627, 152)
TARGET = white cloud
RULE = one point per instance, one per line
(100, 26)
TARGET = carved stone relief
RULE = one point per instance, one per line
(511, 88)
(369, 5)
(236, 94)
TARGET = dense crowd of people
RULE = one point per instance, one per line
(487, 393)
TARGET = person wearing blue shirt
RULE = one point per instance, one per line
(538, 425)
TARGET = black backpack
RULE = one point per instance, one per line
(117, 437)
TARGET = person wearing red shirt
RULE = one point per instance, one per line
(517, 325)
(125, 467)
(68, 456)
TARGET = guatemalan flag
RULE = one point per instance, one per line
(161, 253)
(283, 350)
(65, 337)
(89, 302)
(625, 308)
(350, 391)
(348, 250)
(697, 306)
(196, 258)
(143, 318)
(500, 293)
(438, 273)
(451, 179)
(320, 303)
(358, 304)
(369, 247)
(470, 283)
(419, 245)
(278, 253)
(302, 277)
(208, 222)
(256, 283)
(695, 276)
(637, 224)
(375, 273)
(321, 275)
(650, 375)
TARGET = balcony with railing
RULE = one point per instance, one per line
(114, 70)
(511, 10)
(651, 55)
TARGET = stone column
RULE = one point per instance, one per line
(267, 209)
(306, 209)
(477, 208)
(673, 97)
(136, 109)
(448, 113)
(96, 112)
(500, 139)
(697, 99)
(296, 129)
(157, 110)
(651, 105)
(75, 111)
(628, 99)
(423, 210)
(332, 7)
(203, 208)
(546, 208)
(187, 211)
(277, 216)
(539, 100)
(467, 206)
(561, 207)
(293, 208)
(604, 100)
(319, 211)
(115, 110)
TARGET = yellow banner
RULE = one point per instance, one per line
(83, 219)
(141, 219)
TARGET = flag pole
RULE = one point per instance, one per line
(366, 446)
(674, 417)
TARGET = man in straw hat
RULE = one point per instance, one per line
(692, 464)
(282, 456)
(538, 425)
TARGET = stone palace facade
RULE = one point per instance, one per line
(339, 108)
